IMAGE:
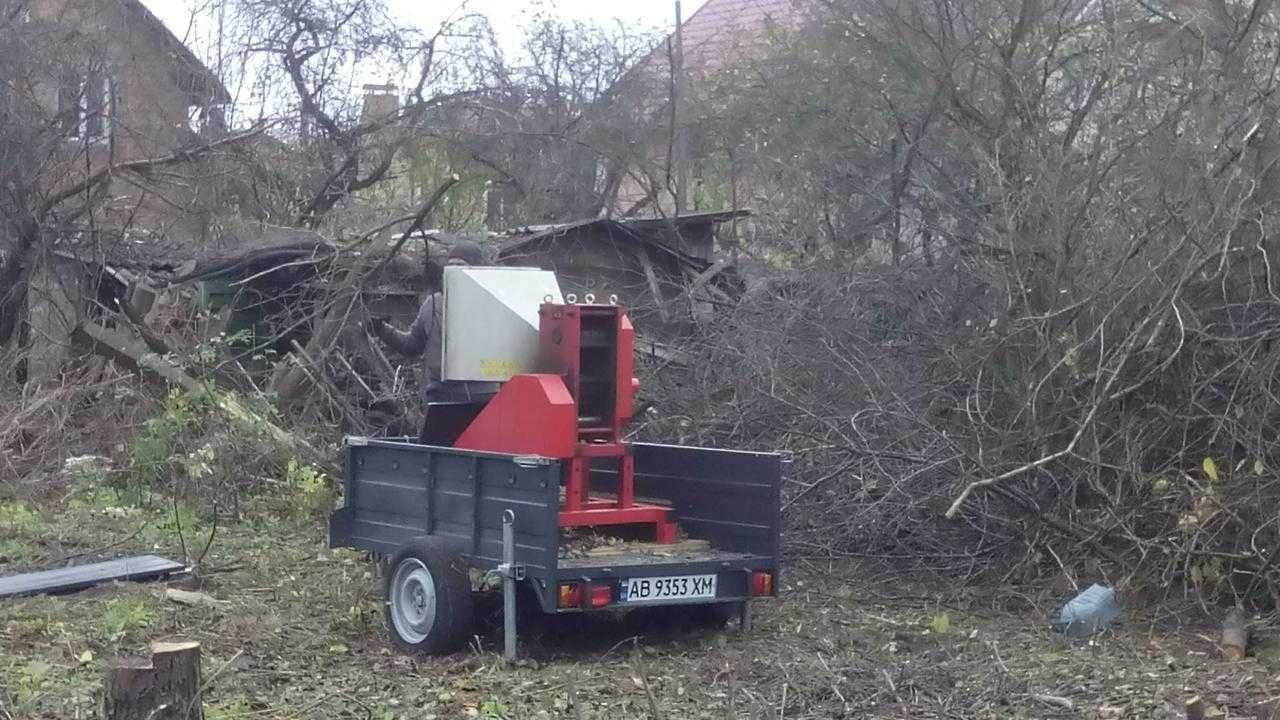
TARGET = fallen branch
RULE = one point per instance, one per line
(290, 379)
(1064, 452)
(1055, 701)
(651, 276)
(117, 347)
(153, 340)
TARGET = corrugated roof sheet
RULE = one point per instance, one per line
(643, 230)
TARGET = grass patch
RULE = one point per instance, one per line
(20, 528)
(123, 616)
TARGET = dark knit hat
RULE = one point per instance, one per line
(468, 252)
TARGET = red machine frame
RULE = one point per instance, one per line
(576, 412)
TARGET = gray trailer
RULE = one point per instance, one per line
(435, 515)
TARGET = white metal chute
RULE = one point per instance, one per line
(491, 320)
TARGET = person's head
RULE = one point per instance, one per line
(465, 253)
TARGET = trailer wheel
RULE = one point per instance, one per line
(428, 599)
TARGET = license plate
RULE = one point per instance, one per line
(657, 589)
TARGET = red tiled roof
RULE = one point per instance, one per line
(722, 30)
(729, 24)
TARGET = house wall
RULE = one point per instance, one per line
(152, 96)
(155, 87)
(152, 105)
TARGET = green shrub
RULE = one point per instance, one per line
(124, 615)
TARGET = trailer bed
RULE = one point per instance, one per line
(641, 559)
(727, 504)
(602, 550)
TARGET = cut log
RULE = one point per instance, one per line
(166, 686)
(1055, 701)
(1235, 635)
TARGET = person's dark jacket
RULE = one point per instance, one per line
(423, 339)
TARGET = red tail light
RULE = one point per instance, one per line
(601, 595)
(761, 583)
(570, 596)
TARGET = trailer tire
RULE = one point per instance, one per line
(427, 595)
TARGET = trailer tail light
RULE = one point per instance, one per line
(570, 596)
(761, 583)
(601, 595)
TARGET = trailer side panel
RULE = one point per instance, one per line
(398, 491)
(729, 497)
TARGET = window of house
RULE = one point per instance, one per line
(206, 118)
(87, 105)
(197, 118)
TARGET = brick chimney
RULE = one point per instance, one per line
(380, 103)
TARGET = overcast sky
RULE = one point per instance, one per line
(507, 16)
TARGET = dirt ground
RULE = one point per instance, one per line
(296, 632)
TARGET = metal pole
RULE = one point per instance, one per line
(508, 586)
(680, 149)
(744, 617)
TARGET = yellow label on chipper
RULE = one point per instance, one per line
(500, 369)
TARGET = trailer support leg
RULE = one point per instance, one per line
(509, 576)
(744, 616)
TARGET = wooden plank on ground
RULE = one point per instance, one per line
(79, 577)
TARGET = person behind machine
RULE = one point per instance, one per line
(448, 405)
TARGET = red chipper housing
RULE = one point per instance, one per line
(576, 411)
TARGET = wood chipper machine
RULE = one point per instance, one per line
(540, 486)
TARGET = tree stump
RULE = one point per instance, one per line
(166, 687)
(1235, 635)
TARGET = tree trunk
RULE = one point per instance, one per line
(13, 280)
(166, 688)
